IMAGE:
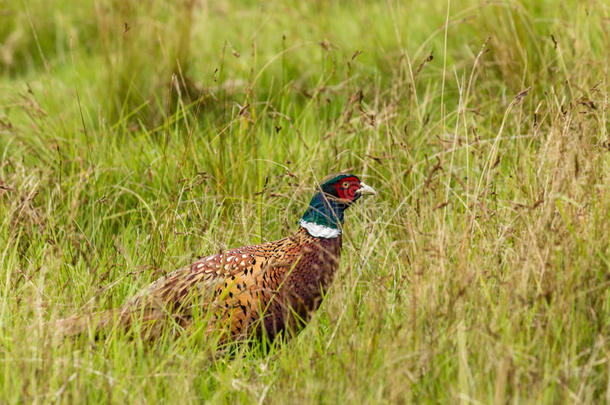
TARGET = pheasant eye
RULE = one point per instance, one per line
(345, 184)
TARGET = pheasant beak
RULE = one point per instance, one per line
(365, 190)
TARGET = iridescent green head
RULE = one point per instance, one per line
(334, 196)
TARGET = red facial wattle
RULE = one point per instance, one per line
(346, 188)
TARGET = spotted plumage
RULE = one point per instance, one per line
(251, 290)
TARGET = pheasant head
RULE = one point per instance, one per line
(324, 216)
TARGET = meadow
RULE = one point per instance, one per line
(136, 136)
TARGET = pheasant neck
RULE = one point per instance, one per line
(324, 217)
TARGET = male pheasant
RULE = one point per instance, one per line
(251, 290)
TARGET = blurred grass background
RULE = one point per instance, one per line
(137, 135)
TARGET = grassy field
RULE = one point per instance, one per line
(138, 135)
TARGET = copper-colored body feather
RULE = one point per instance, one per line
(250, 290)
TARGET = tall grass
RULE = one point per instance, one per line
(135, 136)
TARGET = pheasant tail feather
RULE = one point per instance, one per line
(79, 324)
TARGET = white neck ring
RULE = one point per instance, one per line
(319, 231)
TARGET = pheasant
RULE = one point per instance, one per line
(247, 291)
